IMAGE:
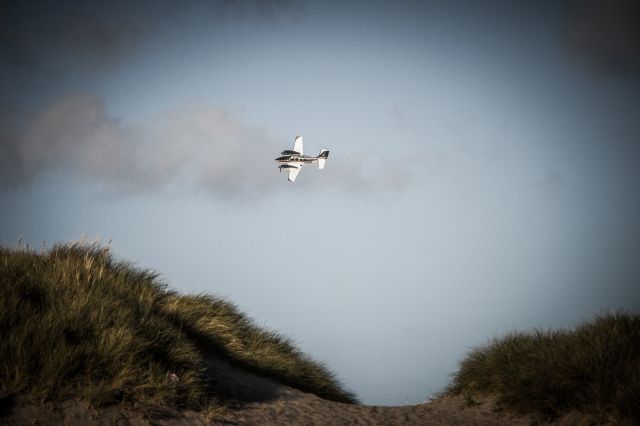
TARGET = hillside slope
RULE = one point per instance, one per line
(593, 369)
(76, 322)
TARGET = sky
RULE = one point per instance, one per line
(482, 178)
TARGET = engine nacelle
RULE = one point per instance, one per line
(287, 166)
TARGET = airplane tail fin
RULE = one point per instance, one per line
(322, 158)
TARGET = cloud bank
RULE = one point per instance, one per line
(197, 146)
(192, 148)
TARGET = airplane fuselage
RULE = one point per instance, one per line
(296, 158)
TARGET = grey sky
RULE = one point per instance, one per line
(482, 177)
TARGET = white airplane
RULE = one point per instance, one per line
(293, 159)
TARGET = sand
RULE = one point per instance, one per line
(261, 401)
(293, 407)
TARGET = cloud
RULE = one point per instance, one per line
(73, 132)
(197, 146)
(205, 147)
(98, 34)
(65, 35)
(51, 48)
(192, 148)
(607, 34)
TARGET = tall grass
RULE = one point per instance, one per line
(594, 368)
(73, 321)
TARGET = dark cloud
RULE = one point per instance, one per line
(50, 48)
(86, 34)
(97, 34)
(607, 34)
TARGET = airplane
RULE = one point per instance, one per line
(293, 159)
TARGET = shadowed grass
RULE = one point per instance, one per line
(594, 368)
(74, 321)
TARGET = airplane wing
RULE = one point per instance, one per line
(297, 145)
(293, 173)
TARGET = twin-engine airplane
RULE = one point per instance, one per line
(293, 159)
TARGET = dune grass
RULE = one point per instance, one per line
(594, 369)
(74, 321)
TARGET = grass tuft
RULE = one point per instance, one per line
(594, 368)
(73, 321)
